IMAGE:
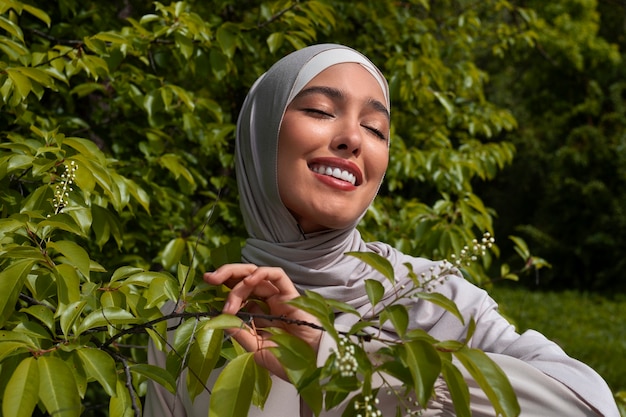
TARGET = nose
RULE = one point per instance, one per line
(349, 138)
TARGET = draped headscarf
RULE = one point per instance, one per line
(315, 261)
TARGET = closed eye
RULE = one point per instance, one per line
(317, 112)
(376, 132)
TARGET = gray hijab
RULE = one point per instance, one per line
(315, 261)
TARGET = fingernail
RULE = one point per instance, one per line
(226, 307)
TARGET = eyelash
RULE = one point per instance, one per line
(371, 129)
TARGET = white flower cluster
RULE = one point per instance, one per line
(64, 187)
(367, 407)
(346, 361)
(469, 255)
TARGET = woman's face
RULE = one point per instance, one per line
(332, 148)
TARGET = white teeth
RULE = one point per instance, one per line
(335, 172)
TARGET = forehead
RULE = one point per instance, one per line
(350, 77)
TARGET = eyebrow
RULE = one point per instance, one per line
(335, 93)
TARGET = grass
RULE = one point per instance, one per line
(589, 327)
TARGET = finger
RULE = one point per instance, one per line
(276, 276)
(229, 274)
(246, 289)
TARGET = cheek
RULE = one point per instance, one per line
(379, 161)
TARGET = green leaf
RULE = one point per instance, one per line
(491, 379)
(173, 252)
(275, 41)
(203, 355)
(377, 262)
(232, 392)
(69, 315)
(13, 347)
(227, 253)
(398, 315)
(315, 304)
(299, 362)
(224, 321)
(37, 75)
(459, 391)
(68, 284)
(186, 278)
(11, 282)
(375, 291)
(442, 301)
(121, 405)
(184, 45)
(100, 366)
(41, 313)
(74, 254)
(21, 393)
(109, 316)
(425, 365)
(157, 374)
(227, 38)
(124, 271)
(38, 13)
(23, 85)
(12, 28)
(60, 221)
(57, 389)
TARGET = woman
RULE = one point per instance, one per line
(312, 149)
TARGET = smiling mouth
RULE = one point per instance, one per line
(335, 172)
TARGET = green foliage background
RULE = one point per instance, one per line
(507, 118)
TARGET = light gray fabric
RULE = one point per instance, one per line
(317, 261)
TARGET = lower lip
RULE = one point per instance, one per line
(335, 182)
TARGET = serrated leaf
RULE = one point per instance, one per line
(232, 392)
(377, 262)
(100, 366)
(57, 388)
(21, 393)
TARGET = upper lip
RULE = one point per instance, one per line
(340, 163)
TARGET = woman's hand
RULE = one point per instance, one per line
(274, 288)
